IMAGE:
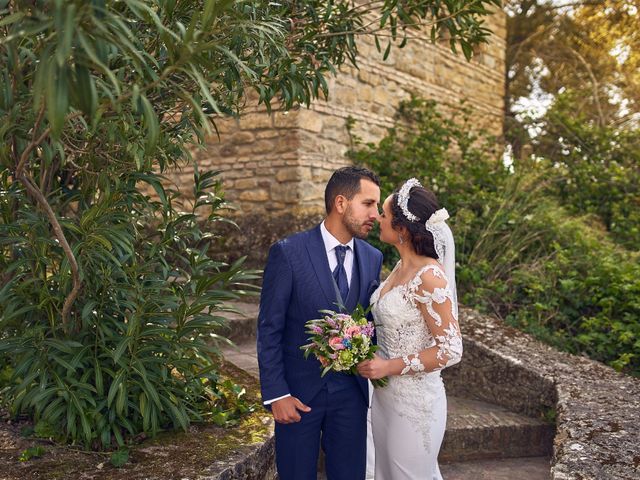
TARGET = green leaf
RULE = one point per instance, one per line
(44, 429)
(66, 28)
(387, 52)
(85, 91)
(120, 349)
(31, 452)
(120, 457)
(151, 123)
(467, 50)
(115, 386)
(12, 18)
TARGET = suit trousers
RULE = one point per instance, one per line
(337, 422)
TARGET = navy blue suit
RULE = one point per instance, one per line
(297, 284)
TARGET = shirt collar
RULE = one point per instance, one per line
(331, 242)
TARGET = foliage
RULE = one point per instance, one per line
(519, 253)
(589, 46)
(119, 457)
(6, 372)
(579, 62)
(31, 452)
(596, 169)
(108, 300)
(235, 404)
(139, 357)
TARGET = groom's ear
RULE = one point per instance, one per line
(340, 204)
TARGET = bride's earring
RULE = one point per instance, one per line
(401, 239)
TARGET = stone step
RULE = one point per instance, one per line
(475, 430)
(241, 327)
(243, 355)
(480, 430)
(527, 468)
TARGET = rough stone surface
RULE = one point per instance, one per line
(596, 408)
(480, 430)
(257, 465)
(533, 468)
(242, 322)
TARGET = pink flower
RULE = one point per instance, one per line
(368, 329)
(336, 343)
(317, 329)
(351, 331)
(323, 361)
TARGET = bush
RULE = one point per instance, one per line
(254, 233)
(596, 168)
(520, 254)
(138, 352)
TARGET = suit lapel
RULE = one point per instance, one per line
(318, 257)
(362, 268)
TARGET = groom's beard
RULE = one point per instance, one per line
(354, 227)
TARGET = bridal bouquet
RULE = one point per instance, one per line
(341, 341)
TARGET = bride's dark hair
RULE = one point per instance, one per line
(422, 203)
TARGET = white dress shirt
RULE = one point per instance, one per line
(330, 244)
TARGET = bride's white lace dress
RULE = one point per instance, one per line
(409, 414)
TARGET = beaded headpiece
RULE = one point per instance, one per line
(403, 198)
(436, 222)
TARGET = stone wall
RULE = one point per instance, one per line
(280, 162)
(596, 409)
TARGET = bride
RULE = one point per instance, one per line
(416, 315)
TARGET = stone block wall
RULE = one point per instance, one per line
(279, 163)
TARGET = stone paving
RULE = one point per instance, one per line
(532, 468)
(243, 356)
(481, 430)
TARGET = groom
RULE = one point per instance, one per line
(318, 269)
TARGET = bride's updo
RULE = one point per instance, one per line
(422, 203)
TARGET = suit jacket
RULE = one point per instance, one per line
(298, 284)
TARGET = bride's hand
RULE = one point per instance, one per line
(374, 369)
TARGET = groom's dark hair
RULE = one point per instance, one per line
(346, 182)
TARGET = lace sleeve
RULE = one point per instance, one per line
(437, 306)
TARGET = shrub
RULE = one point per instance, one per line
(139, 355)
(596, 168)
(520, 254)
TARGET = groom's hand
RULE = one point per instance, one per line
(286, 409)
